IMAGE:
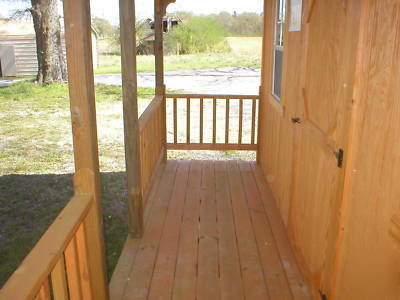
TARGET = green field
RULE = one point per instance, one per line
(246, 52)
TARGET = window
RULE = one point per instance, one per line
(278, 49)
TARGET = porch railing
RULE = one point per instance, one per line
(212, 122)
(64, 263)
(151, 128)
(58, 264)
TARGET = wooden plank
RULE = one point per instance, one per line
(229, 264)
(240, 134)
(201, 120)
(394, 229)
(214, 136)
(35, 268)
(252, 273)
(275, 276)
(83, 264)
(131, 120)
(44, 292)
(188, 120)
(175, 121)
(253, 120)
(164, 270)
(208, 277)
(211, 96)
(227, 121)
(186, 264)
(78, 39)
(296, 281)
(72, 267)
(142, 268)
(125, 262)
(59, 281)
(195, 146)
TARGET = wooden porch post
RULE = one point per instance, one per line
(159, 12)
(158, 46)
(131, 120)
(83, 115)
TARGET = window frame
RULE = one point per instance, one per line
(278, 45)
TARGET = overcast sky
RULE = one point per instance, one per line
(108, 9)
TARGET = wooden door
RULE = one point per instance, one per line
(322, 127)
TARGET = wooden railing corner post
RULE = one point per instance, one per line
(86, 183)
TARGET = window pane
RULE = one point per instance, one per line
(278, 73)
(278, 48)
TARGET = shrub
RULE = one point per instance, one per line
(199, 34)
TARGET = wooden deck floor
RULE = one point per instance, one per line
(212, 231)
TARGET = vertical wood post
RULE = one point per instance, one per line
(159, 11)
(131, 119)
(83, 115)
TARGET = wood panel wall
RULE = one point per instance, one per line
(366, 256)
(275, 128)
(369, 257)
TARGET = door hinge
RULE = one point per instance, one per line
(340, 157)
(323, 296)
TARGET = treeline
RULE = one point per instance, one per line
(243, 24)
(193, 34)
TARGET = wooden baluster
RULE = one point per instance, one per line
(81, 248)
(253, 120)
(240, 121)
(72, 267)
(201, 120)
(59, 281)
(214, 120)
(175, 113)
(44, 292)
(227, 121)
(188, 120)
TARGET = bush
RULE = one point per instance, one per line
(199, 34)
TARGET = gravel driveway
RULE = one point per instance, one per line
(233, 80)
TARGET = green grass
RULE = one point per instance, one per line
(112, 65)
(246, 53)
(37, 162)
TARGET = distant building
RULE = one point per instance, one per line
(146, 43)
(18, 48)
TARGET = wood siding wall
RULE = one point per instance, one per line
(25, 52)
(340, 77)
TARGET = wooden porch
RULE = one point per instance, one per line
(212, 231)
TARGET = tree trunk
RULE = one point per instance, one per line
(51, 61)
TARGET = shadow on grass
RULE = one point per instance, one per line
(30, 203)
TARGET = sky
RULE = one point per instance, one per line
(108, 9)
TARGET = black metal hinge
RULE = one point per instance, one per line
(340, 157)
(323, 296)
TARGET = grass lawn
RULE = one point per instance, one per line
(246, 52)
(37, 165)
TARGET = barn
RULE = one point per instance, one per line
(18, 48)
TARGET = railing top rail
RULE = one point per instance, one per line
(212, 96)
(25, 282)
